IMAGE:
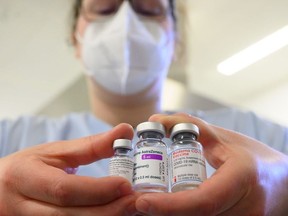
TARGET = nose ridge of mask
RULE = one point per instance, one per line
(121, 52)
(124, 18)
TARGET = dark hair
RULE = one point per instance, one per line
(75, 15)
(78, 4)
(172, 7)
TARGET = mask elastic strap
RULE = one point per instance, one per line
(78, 37)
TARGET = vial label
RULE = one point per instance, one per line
(188, 166)
(121, 167)
(151, 166)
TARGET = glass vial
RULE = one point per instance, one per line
(122, 164)
(151, 160)
(188, 168)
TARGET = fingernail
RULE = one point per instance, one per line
(125, 189)
(143, 206)
(71, 170)
(131, 209)
(138, 214)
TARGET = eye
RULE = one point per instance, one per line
(150, 11)
(149, 8)
(102, 8)
(107, 10)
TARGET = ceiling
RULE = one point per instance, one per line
(37, 64)
(219, 29)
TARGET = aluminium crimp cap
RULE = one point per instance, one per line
(150, 126)
(185, 127)
(122, 143)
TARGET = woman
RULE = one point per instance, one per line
(126, 52)
(126, 48)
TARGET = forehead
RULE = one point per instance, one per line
(163, 2)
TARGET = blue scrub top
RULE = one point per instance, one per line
(27, 131)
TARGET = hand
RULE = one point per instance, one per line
(251, 178)
(34, 181)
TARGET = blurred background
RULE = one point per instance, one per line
(39, 73)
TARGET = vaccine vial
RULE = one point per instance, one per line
(151, 159)
(122, 164)
(188, 168)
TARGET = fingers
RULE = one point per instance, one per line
(85, 150)
(207, 132)
(49, 182)
(122, 206)
(72, 190)
(46, 164)
(219, 193)
(38, 173)
(209, 137)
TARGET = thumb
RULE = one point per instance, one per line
(73, 153)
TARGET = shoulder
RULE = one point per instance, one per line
(26, 131)
(250, 124)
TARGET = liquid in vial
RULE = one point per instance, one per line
(188, 168)
(122, 164)
(151, 160)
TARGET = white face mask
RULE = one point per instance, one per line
(125, 54)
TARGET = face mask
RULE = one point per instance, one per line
(125, 54)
